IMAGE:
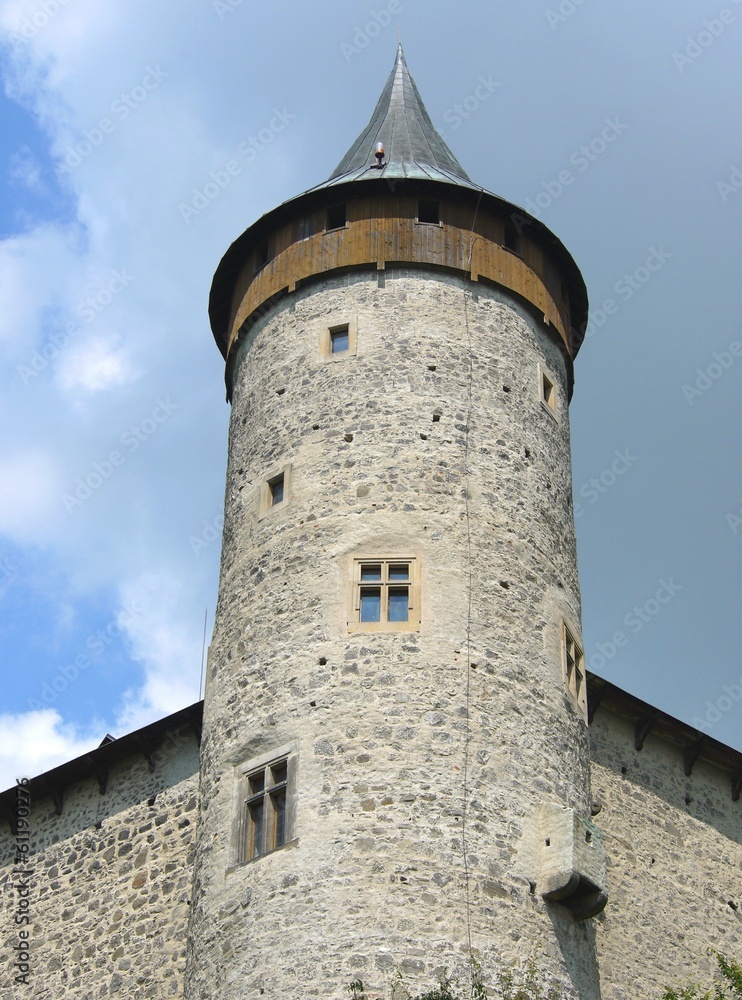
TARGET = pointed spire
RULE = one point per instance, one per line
(412, 146)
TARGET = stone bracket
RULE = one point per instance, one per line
(572, 860)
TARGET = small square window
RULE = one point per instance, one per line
(336, 217)
(429, 211)
(264, 826)
(275, 491)
(339, 339)
(547, 392)
(574, 669)
(385, 595)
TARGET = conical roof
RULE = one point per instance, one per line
(412, 146)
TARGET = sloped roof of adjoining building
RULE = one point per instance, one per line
(691, 744)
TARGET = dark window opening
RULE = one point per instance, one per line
(276, 486)
(512, 240)
(262, 256)
(336, 217)
(428, 211)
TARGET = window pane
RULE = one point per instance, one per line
(370, 572)
(400, 571)
(257, 782)
(276, 486)
(278, 801)
(256, 828)
(279, 772)
(398, 604)
(339, 340)
(370, 604)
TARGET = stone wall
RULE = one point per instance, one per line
(429, 441)
(674, 856)
(111, 882)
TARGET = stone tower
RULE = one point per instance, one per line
(394, 761)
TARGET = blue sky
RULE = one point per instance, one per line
(617, 124)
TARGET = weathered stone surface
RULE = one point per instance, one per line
(99, 923)
(674, 854)
(454, 460)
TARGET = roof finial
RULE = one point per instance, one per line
(399, 34)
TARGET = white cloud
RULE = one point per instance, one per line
(95, 365)
(165, 636)
(34, 742)
(29, 500)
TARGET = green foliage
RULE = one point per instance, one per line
(728, 987)
(513, 984)
(526, 985)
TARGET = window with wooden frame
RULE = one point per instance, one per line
(547, 391)
(574, 669)
(385, 594)
(337, 341)
(275, 491)
(264, 814)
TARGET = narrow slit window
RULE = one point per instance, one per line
(262, 256)
(276, 487)
(512, 241)
(265, 812)
(429, 211)
(574, 669)
(336, 217)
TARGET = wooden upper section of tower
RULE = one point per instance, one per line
(398, 197)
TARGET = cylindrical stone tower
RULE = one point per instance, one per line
(394, 759)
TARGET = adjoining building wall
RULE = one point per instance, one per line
(109, 895)
(674, 855)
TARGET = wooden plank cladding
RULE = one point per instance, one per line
(381, 231)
